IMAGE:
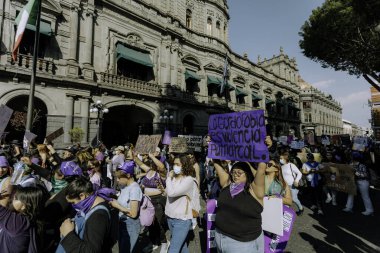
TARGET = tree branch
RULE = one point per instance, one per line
(371, 82)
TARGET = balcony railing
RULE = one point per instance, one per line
(25, 62)
(129, 84)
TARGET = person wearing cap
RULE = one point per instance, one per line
(128, 205)
(5, 181)
(311, 169)
(240, 204)
(362, 182)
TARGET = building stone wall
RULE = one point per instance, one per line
(79, 65)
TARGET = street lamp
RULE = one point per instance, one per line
(166, 118)
(99, 108)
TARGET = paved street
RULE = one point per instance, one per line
(335, 232)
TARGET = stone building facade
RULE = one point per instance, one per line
(140, 57)
(319, 112)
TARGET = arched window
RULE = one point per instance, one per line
(209, 26)
(218, 29)
(188, 18)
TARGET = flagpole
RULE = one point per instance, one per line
(29, 115)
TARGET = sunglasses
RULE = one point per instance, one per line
(272, 165)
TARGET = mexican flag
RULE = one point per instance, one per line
(28, 15)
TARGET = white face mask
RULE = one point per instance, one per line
(282, 161)
(177, 169)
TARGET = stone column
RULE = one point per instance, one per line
(73, 67)
(69, 111)
(88, 69)
(85, 113)
(168, 64)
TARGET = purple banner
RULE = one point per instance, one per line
(238, 136)
(211, 210)
(275, 243)
(167, 137)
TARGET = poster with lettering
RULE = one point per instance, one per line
(147, 143)
(5, 115)
(339, 177)
(178, 145)
(277, 243)
(325, 139)
(194, 143)
(360, 143)
(297, 144)
(283, 140)
(238, 136)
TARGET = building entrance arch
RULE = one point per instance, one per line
(124, 123)
(16, 125)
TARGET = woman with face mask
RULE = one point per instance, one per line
(179, 185)
(292, 175)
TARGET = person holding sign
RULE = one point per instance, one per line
(362, 182)
(275, 184)
(240, 203)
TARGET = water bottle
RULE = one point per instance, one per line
(17, 173)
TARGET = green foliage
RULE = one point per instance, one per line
(341, 34)
(76, 134)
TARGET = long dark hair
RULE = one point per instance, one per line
(34, 199)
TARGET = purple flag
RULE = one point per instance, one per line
(211, 210)
(167, 137)
(238, 136)
(274, 243)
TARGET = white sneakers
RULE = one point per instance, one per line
(367, 213)
(329, 198)
(165, 247)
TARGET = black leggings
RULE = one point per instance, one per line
(158, 228)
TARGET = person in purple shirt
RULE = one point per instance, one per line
(20, 228)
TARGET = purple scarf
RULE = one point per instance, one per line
(235, 189)
(86, 204)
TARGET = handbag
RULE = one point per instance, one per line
(301, 183)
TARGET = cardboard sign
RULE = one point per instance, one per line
(272, 215)
(194, 143)
(339, 177)
(276, 243)
(5, 116)
(297, 144)
(54, 135)
(283, 140)
(28, 138)
(310, 138)
(178, 145)
(238, 136)
(360, 143)
(147, 143)
(317, 157)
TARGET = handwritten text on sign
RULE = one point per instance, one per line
(147, 144)
(238, 136)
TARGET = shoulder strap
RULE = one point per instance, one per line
(98, 207)
(290, 164)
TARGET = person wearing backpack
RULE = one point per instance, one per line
(179, 188)
(91, 229)
(128, 205)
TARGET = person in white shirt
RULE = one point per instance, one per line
(292, 175)
(179, 185)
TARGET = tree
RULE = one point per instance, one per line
(76, 134)
(18, 120)
(341, 34)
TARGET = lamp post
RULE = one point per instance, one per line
(166, 118)
(99, 108)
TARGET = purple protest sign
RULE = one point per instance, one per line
(167, 137)
(238, 136)
(274, 243)
(211, 210)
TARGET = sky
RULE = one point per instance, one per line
(261, 27)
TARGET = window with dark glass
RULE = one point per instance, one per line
(188, 18)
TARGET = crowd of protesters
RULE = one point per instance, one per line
(87, 199)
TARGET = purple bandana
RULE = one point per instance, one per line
(235, 189)
(86, 204)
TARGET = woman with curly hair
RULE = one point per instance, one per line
(179, 185)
